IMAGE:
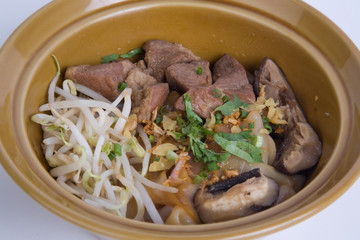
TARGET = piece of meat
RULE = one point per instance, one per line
(298, 146)
(229, 73)
(203, 101)
(147, 94)
(228, 200)
(137, 79)
(152, 97)
(103, 79)
(231, 80)
(254, 81)
(160, 54)
(141, 64)
(171, 99)
(184, 76)
(245, 93)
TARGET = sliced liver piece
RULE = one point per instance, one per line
(298, 147)
(184, 76)
(160, 54)
(103, 78)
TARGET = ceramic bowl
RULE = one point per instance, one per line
(321, 63)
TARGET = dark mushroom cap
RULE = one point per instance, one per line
(242, 199)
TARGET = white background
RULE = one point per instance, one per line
(23, 218)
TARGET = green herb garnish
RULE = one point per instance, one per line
(122, 86)
(201, 177)
(160, 114)
(228, 107)
(115, 152)
(199, 71)
(218, 117)
(267, 124)
(158, 119)
(115, 56)
(191, 115)
(112, 155)
(197, 134)
(217, 93)
(117, 149)
(239, 144)
(244, 113)
(241, 149)
(177, 135)
(257, 140)
(205, 155)
(132, 53)
(151, 138)
(225, 99)
(157, 159)
(197, 179)
(242, 136)
(109, 58)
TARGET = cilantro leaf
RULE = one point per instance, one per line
(181, 122)
(193, 129)
(201, 177)
(241, 149)
(207, 156)
(228, 107)
(191, 115)
(177, 135)
(244, 135)
(255, 152)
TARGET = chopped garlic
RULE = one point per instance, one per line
(168, 123)
(162, 164)
(163, 148)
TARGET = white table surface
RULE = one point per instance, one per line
(23, 218)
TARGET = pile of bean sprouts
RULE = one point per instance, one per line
(80, 128)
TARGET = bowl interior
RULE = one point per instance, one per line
(209, 29)
(209, 32)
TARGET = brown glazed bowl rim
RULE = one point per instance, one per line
(31, 178)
